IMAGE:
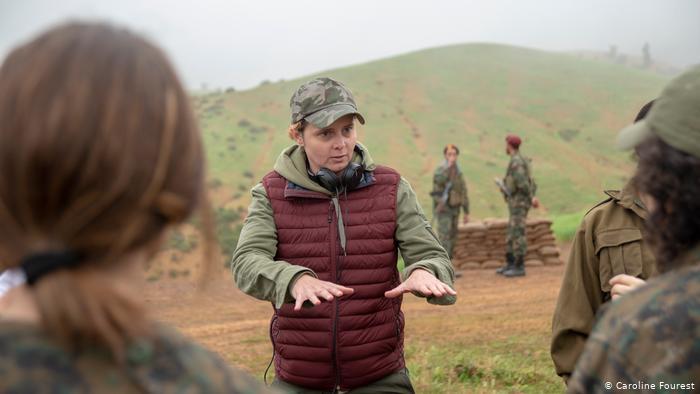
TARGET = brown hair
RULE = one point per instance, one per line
(297, 127)
(99, 154)
(450, 146)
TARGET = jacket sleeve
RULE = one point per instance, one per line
(254, 268)
(418, 244)
(579, 299)
(465, 197)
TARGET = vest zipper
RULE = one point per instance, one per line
(334, 268)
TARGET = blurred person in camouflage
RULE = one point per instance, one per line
(608, 258)
(100, 155)
(449, 197)
(518, 188)
(648, 340)
(321, 243)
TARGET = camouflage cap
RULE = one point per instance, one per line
(322, 101)
(674, 117)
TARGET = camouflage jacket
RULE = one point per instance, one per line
(457, 196)
(518, 179)
(607, 243)
(648, 337)
(30, 362)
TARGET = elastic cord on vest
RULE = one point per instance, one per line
(38, 265)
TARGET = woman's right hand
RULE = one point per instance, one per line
(306, 287)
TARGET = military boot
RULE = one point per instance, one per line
(510, 263)
(517, 270)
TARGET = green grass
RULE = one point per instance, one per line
(516, 365)
(564, 226)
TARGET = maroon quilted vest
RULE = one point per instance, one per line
(357, 339)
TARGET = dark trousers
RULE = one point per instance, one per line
(395, 383)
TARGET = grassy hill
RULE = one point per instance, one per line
(567, 109)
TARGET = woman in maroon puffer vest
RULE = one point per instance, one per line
(321, 243)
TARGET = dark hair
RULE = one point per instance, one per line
(450, 146)
(670, 177)
(99, 153)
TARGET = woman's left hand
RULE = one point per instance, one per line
(623, 284)
(423, 282)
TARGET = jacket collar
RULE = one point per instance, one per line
(628, 198)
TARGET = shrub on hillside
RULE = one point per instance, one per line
(228, 228)
(178, 240)
(214, 183)
(568, 134)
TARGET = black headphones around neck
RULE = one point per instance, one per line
(348, 180)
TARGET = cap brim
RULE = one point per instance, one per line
(327, 116)
(633, 135)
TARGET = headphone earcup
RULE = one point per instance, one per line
(327, 179)
(352, 176)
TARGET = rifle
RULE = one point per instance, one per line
(502, 187)
(444, 196)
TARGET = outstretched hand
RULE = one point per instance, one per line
(423, 282)
(306, 287)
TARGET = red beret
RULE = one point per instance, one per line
(513, 140)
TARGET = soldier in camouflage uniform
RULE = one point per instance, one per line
(449, 197)
(649, 340)
(98, 160)
(519, 191)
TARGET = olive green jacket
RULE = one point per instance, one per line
(608, 242)
(457, 196)
(258, 274)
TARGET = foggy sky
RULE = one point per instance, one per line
(240, 43)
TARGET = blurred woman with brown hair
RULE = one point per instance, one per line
(100, 155)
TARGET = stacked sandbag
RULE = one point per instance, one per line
(483, 244)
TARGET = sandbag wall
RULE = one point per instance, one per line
(483, 244)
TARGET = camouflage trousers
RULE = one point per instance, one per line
(516, 241)
(447, 222)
